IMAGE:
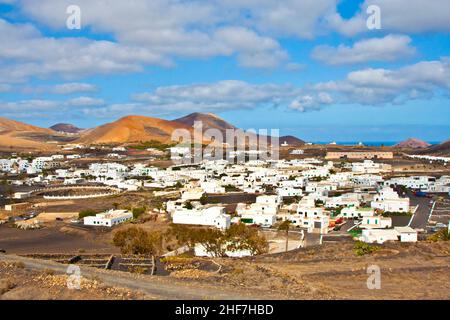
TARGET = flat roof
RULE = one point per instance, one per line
(405, 230)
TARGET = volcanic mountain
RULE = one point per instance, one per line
(441, 149)
(65, 128)
(209, 121)
(15, 135)
(212, 121)
(292, 141)
(132, 129)
(412, 143)
(8, 125)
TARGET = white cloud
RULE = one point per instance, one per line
(168, 29)
(219, 96)
(28, 105)
(85, 102)
(388, 48)
(29, 54)
(383, 86)
(48, 106)
(73, 87)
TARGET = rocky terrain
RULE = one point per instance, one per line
(331, 271)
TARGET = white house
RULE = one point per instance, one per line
(212, 216)
(109, 218)
(345, 200)
(376, 222)
(388, 200)
(406, 234)
(402, 234)
(212, 186)
(355, 212)
(289, 191)
(378, 235)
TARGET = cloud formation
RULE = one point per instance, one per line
(388, 48)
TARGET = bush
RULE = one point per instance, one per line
(137, 212)
(396, 214)
(231, 188)
(441, 235)
(188, 205)
(204, 199)
(136, 240)
(86, 213)
(362, 248)
(217, 242)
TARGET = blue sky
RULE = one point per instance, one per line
(309, 68)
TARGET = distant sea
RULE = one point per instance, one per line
(368, 143)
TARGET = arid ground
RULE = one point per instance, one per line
(331, 271)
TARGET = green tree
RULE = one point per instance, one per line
(86, 213)
(188, 205)
(204, 199)
(241, 237)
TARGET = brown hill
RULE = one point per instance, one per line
(19, 136)
(412, 143)
(291, 141)
(16, 126)
(441, 149)
(212, 121)
(66, 128)
(132, 129)
(209, 121)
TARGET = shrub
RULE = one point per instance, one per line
(362, 248)
(217, 242)
(231, 188)
(136, 240)
(137, 212)
(204, 199)
(188, 205)
(86, 213)
(441, 235)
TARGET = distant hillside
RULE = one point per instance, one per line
(291, 141)
(15, 135)
(412, 143)
(212, 121)
(132, 129)
(12, 125)
(442, 149)
(209, 121)
(66, 128)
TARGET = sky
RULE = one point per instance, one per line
(315, 69)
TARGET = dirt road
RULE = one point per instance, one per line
(159, 287)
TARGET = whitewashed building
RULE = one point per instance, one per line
(109, 218)
(212, 216)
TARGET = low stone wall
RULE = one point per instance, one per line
(113, 191)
